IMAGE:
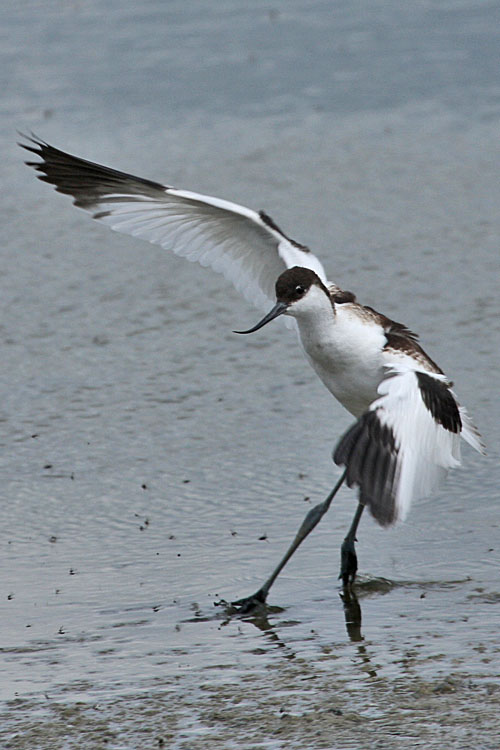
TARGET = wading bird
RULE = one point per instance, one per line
(408, 420)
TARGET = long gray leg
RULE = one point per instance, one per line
(310, 521)
(348, 557)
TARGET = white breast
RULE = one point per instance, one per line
(346, 353)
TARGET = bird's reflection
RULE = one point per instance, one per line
(352, 614)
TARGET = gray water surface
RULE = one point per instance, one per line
(154, 463)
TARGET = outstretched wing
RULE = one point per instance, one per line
(247, 247)
(402, 447)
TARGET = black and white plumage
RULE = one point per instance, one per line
(409, 423)
(402, 447)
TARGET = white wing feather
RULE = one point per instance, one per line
(426, 450)
(402, 447)
(245, 246)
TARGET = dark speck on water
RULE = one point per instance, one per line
(369, 132)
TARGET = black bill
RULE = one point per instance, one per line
(278, 309)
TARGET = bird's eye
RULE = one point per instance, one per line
(299, 289)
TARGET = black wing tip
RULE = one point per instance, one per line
(36, 148)
(88, 182)
(440, 402)
(40, 148)
(32, 138)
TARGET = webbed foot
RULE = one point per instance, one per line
(248, 603)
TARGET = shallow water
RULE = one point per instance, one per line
(154, 463)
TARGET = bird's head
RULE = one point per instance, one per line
(299, 293)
